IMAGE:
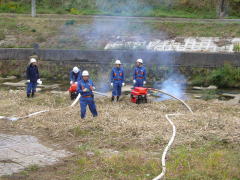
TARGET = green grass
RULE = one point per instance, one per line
(212, 161)
(199, 29)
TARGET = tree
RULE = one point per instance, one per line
(33, 8)
(222, 8)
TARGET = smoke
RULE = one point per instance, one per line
(123, 33)
(175, 84)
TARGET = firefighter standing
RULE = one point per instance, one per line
(85, 88)
(117, 80)
(139, 76)
(75, 75)
(33, 77)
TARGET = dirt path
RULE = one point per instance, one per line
(120, 18)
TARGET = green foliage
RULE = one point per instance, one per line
(13, 7)
(236, 47)
(227, 76)
(223, 77)
(74, 11)
(176, 8)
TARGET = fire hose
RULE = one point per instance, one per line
(43, 111)
(160, 176)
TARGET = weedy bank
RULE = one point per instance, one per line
(126, 140)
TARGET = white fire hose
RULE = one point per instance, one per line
(160, 176)
(167, 117)
(43, 111)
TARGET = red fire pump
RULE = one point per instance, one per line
(73, 91)
(139, 95)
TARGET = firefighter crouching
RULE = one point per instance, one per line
(75, 77)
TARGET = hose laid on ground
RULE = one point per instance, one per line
(163, 92)
(43, 111)
(160, 176)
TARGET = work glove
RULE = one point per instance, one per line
(112, 84)
(39, 81)
(123, 84)
(93, 88)
(85, 90)
(134, 81)
(144, 82)
(71, 82)
(28, 81)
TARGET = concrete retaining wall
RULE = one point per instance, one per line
(127, 56)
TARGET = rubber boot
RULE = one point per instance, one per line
(112, 98)
(117, 98)
(28, 95)
(32, 94)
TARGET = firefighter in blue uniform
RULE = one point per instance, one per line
(85, 88)
(139, 76)
(75, 75)
(117, 80)
(33, 77)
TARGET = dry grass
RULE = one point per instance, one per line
(143, 125)
(137, 132)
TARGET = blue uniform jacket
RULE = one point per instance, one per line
(85, 84)
(75, 77)
(32, 73)
(140, 73)
(117, 74)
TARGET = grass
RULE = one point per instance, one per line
(73, 33)
(198, 29)
(126, 141)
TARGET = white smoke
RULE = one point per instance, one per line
(175, 84)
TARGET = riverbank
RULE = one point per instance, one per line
(207, 141)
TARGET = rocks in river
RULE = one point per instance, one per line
(16, 84)
(8, 78)
(23, 83)
(204, 88)
(235, 98)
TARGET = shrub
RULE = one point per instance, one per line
(223, 77)
(227, 76)
(74, 11)
(236, 47)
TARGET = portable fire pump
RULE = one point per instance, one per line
(139, 95)
(73, 91)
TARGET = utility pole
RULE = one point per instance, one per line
(33, 8)
(222, 8)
